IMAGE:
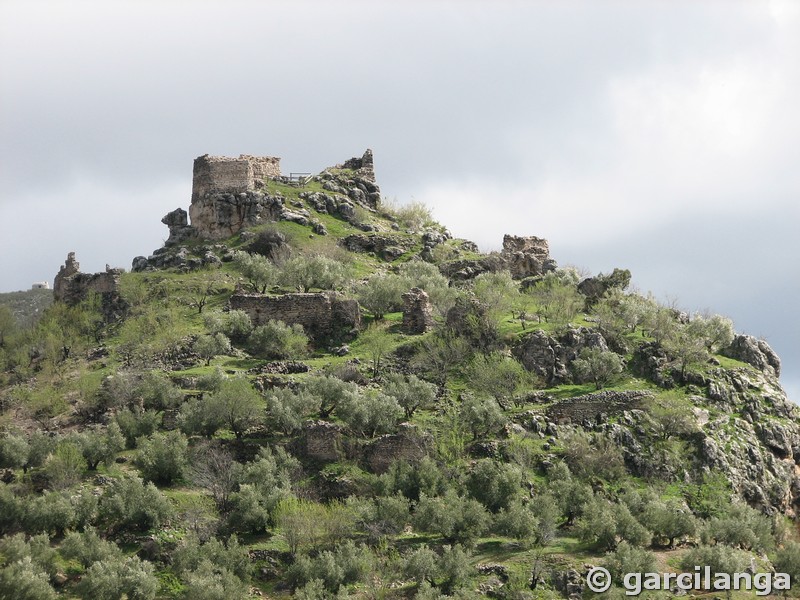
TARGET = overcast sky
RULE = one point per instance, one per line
(663, 137)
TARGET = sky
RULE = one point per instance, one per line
(661, 137)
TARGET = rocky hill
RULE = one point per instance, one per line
(309, 392)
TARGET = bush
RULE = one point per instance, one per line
(14, 450)
(742, 527)
(787, 560)
(604, 525)
(137, 423)
(629, 559)
(235, 324)
(345, 564)
(288, 408)
(597, 366)
(456, 519)
(163, 457)
(421, 565)
(65, 467)
(411, 393)
(88, 548)
(370, 413)
(413, 479)
(277, 340)
(720, 558)
(494, 484)
(214, 583)
(130, 504)
(52, 512)
(455, 568)
(517, 521)
(593, 455)
(16, 548)
(114, 578)
(497, 375)
(24, 580)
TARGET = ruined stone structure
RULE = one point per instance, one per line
(321, 440)
(322, 315)
(526, 256)
(417, 311)
(591, 406)
(40, 285)
(408, 445)
(71, 286)
(549, 357)
(225, 174)
(364, 166)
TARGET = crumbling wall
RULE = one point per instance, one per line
(417, 311)
(590, 406)
(71, 286)
(322, 315)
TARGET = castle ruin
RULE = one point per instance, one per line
(72, 287)
(229, 175)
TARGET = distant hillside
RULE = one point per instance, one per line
(27, 306)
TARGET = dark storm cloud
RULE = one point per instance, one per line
(582, 122)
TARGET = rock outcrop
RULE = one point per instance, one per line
(527, 256)
(549, 357)
(755, 352)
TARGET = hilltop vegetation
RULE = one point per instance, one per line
(526, 422)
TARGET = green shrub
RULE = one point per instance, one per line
(370, 413)
(24, 580)
(130, 504)
(115, 578)
(277, 340)
(629, 559)
(88, 548)
(65, 467)
(137, 423)
(163, 457)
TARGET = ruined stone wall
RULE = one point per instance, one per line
(591, 406)
(321, 314)
(71, 287)
(225, 174)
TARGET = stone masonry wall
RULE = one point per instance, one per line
(224, 174)
(321, 314)
(71, 286)
(591, 406)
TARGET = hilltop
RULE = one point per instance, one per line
(309, 391)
